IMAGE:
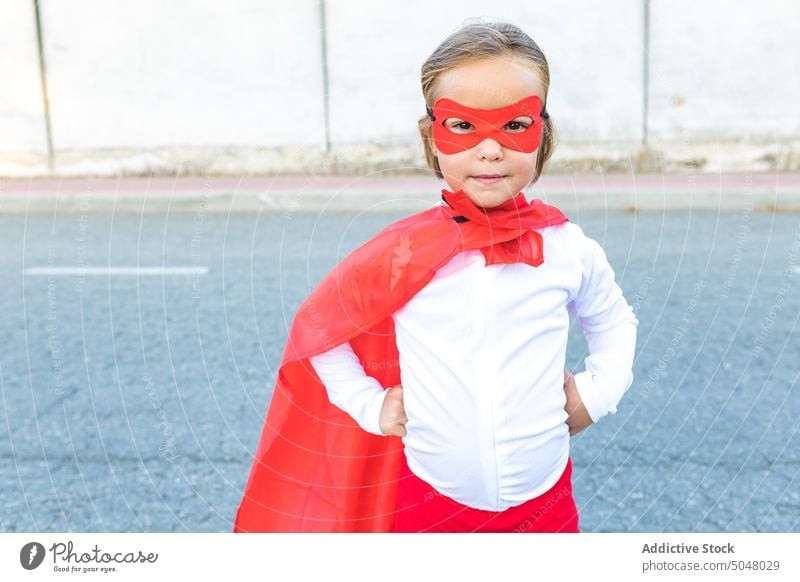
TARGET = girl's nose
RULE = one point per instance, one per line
(489, 149)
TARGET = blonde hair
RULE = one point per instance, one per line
(475, 41)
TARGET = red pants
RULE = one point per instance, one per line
(420, 508)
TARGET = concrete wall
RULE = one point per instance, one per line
(376, 56)
(725, 70)
(205, 85)
(22, 127)
(198, 72)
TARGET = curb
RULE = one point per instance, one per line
(571, 193)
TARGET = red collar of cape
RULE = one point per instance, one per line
(315, 469)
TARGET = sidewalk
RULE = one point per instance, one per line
(572, 193)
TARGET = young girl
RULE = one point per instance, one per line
(423, 385)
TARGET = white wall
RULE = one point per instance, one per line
(376, 55)
(148, 73)
(725, 70)
(145, 74)
(22, 125)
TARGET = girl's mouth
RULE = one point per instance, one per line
(488, 178)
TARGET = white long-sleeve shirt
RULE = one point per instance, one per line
(482, 354)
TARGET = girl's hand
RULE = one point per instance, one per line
(393, 414)
(578, 418)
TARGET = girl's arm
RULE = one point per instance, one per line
(609, 325)
(376, 410)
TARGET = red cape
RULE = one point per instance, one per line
(315, 469)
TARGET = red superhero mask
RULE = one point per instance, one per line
(487, 123)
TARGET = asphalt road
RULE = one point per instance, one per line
(134, 402)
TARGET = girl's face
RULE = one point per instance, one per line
(489, 83)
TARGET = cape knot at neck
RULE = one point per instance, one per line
(507, 215)
(504, 233)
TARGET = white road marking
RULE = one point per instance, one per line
(108, 271)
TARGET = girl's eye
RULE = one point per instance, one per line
(517, 126)
(460, 126)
